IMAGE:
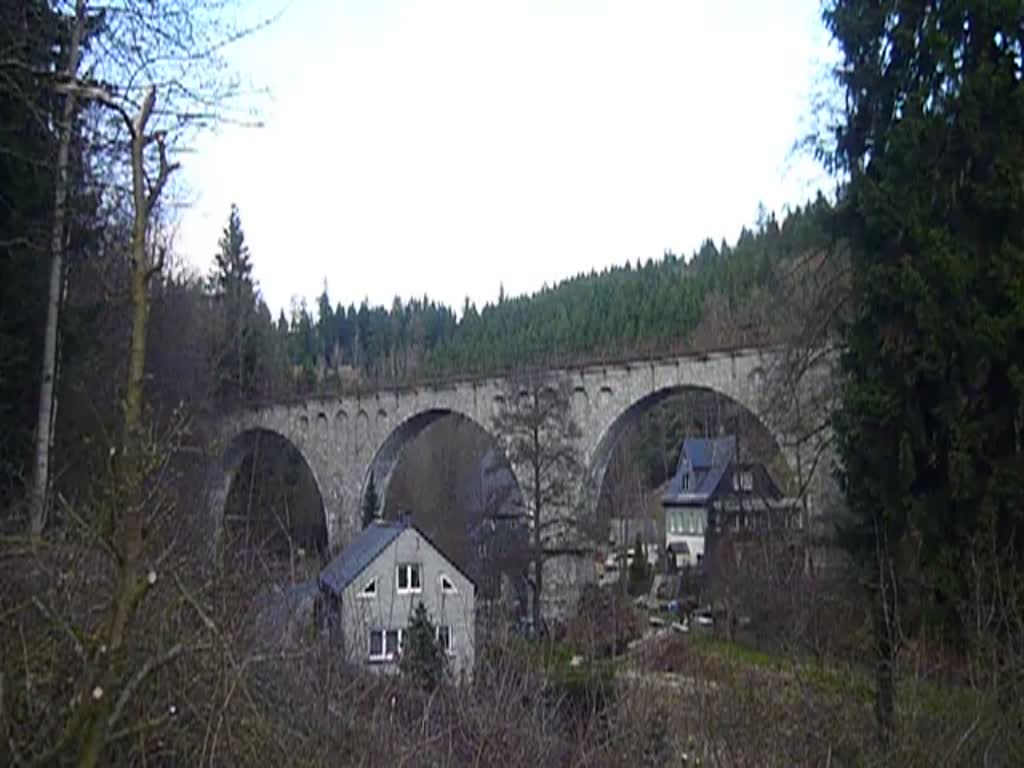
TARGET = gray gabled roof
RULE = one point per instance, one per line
(362, 551)
(705, 460)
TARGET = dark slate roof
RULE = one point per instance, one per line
(362, 550)
(707, 459)
(705, 453)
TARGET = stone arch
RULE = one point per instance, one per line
(481, 529)
(600, 456)
(389, 452)
(243, 444)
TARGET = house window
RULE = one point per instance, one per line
(686, 481)
(409, 578)
(386, 644)
(743, 481)
(370, 590)
(447, 585)
(690, 522)
(444, 639)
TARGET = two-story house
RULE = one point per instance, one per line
(712, 492)
(373, 586)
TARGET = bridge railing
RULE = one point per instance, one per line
(367, 386)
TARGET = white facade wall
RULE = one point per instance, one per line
(389, 609)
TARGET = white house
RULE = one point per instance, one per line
(375, 584)
(711, 492)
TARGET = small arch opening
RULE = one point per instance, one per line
(273, 524)
(450, 474)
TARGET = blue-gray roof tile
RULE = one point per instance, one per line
(362, 550)
(705, 460)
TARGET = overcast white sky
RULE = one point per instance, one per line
(448, 146)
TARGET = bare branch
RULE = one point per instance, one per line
(151, 664)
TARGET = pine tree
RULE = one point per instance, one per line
(932, 422)
(422, 661)
(325, 328)
(638, 576)
(233, 286)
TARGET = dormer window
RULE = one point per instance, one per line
(409, 578)
(447, 585)
(685, 472)
(370, 590)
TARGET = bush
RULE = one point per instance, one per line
(605, 623)
(422, 661)
(639, 571)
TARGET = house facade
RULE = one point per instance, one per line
(373, 587)
(711, 493)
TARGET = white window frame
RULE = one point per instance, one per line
(369, 591)
(384, 656)
(447, 584)
(408, 569)
(450, 649)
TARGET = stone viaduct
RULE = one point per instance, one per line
(345, 438)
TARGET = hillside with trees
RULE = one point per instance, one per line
(721, 296)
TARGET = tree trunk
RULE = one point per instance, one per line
(884, 678)
(538, 587)
(46, 416)
(131, 583)
(886, 642)
(138, 291)
(538, 552)
(240, 308)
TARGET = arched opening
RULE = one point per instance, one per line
(451, 476)
(677, 505)
(273, 523)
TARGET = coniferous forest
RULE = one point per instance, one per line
(653, 306)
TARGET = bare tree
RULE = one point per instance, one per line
(155, 71)
(540, 438)
(158, 69)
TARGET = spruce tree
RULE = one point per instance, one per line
(233, 286)
(638, 575)
(371, 503)
(931, 428)
(422, 661)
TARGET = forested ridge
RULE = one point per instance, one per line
(658, 306)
